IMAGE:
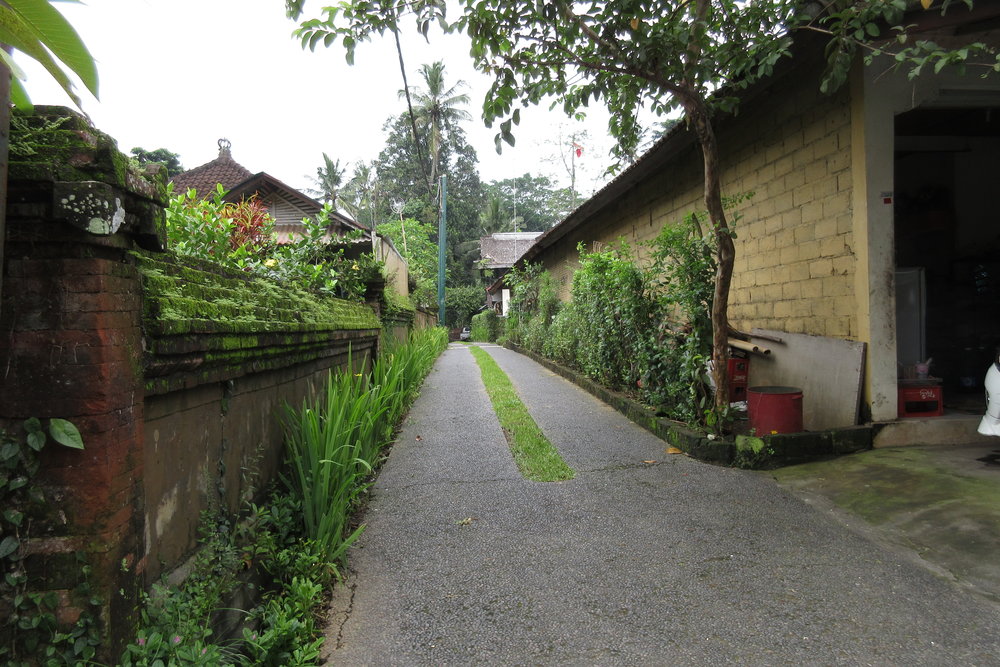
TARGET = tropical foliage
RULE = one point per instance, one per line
(461, 303)
(240, 236)
(171, 161)
(641, 327)
(416, 242)
(334, 441)
(36, 29)
(329, 177)
(295, 539)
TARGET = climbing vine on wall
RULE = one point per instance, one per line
(31, 633)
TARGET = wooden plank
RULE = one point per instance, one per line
(828, 370)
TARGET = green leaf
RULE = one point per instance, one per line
(15, 32)
(55, 32)
(65, 433)
(14, 516)
(32, 424)
(9, 451)
(36, 440)
(8, 546)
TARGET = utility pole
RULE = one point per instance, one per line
(442, 238)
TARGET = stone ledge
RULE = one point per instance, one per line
(770, 451)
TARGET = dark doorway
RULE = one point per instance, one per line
(947, 235)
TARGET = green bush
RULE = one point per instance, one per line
(676, 352)
(613, 316)
(240, 236)
(644, 329)
(486, 326)
(562, 340)
(296, 537)
(461, 303)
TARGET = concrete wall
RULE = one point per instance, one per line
(396, 269)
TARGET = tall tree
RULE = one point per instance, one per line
(677, 54)
(362, 194)
(329, 177)
(534, 199)
(402, 182)
(438, 108)
(494, 218)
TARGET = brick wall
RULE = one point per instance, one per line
(794, 266)
(178, 415)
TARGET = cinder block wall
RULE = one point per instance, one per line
(794, 258)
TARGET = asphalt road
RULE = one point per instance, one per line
(645, 558)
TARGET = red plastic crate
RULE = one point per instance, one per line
(739, 375)
(920, 400)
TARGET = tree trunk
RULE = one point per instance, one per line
(697, 115)
(4, 157)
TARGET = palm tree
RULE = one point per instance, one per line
(436, 109)
(328, 179)
(362, 194)
(493, 218)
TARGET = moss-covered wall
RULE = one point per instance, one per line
(223, 354)
(174, 371)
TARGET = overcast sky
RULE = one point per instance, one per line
(181, 74)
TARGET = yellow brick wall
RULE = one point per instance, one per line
(794, 259)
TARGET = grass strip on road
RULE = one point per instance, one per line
(534, 455)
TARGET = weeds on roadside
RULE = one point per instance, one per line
(334, 440)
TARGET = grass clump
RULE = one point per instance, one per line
(534, 455)
(334, 441)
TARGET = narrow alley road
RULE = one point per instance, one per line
(644, 558)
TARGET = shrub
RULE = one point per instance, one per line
(562, 341)
(486, 326)
(241, 237)
(461, 303)
(613, 316)
(281, 629)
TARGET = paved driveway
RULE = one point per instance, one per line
(644, 558)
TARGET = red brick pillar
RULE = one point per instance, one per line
(72, 348)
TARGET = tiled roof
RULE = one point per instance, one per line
(223, 169)
(503, 249)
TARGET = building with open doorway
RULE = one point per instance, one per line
(869, 241)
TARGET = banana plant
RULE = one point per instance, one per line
(36, 29)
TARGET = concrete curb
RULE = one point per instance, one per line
(743, 451)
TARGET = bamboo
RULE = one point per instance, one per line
(749, 347)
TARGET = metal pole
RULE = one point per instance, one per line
(442, 239)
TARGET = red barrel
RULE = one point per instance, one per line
(775, 409)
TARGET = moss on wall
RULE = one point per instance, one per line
(58, 144)
(186, 297)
